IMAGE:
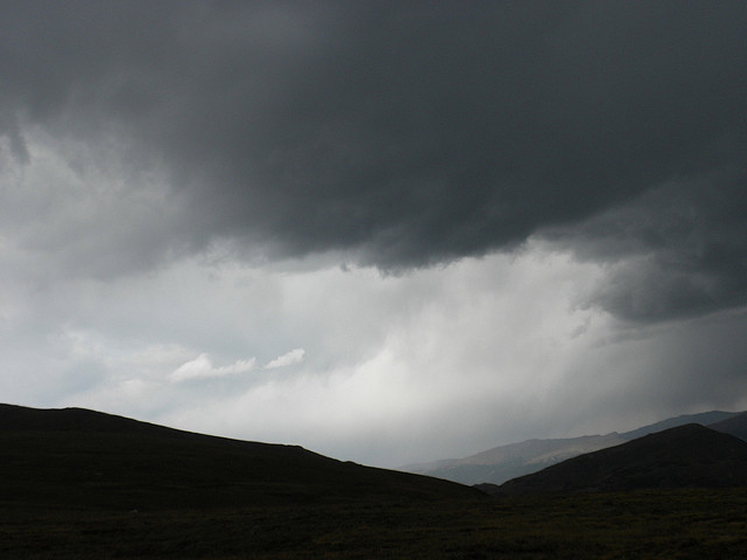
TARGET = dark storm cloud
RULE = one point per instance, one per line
(677, 250)
(411, 133)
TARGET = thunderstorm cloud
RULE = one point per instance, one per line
(455, 213)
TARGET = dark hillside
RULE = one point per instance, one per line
(14, 417)
(80, 458)
(76, 484)
(682, 457)
(735, 426)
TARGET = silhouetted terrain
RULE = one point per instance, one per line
(509, 461)
(683, 457)
(499, 464)
(735, 426)
(702, 418)
(80, 484)
(76, 457)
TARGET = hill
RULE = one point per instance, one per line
(78, 484)
(82, 458)
(509, 461)
(735, 426)
(499, 464)
(683, 457)
(702, 418)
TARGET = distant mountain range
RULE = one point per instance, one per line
(505, 462)
(77, 458)
(682, 457)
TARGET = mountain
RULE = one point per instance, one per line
(702, 418)
(682, 457)
(81, 458)
(505, 462)
(509, 461)
(735, 426)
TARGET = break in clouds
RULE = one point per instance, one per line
(372, 192)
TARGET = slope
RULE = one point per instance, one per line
(509, 461)
(81, 458)
(499, 464)
(735, 426)
(702, 418)
(682, 457)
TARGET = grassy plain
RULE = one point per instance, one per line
(675, 524)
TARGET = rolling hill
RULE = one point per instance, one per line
(80, 484)
(687, 456)
(499, 464)
(702, 418)
(81, 458)
(735, 426)
(509, 461)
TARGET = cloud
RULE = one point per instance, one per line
(400, 135)
(291, 358)
(448, 362)
(677, 251)
(439, 362)
(494, 219)
(202, 368)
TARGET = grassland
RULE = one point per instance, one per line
(78, 484)
(681, 524)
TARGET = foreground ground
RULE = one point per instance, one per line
(685, 524)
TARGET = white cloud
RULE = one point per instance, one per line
(293, 357)
(202, 367)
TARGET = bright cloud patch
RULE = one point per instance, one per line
(293, 357)
(202, 367)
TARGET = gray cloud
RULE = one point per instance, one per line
(408, 134)
(676, 251)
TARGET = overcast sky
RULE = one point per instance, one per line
(387, 231)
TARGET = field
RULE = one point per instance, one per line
(682, 524)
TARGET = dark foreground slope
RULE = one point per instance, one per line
(80, 485)
(81, 458)
(688, 456)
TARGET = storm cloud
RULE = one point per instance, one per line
(408, 134)
(388, 231)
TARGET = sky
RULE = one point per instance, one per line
(390, 232)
